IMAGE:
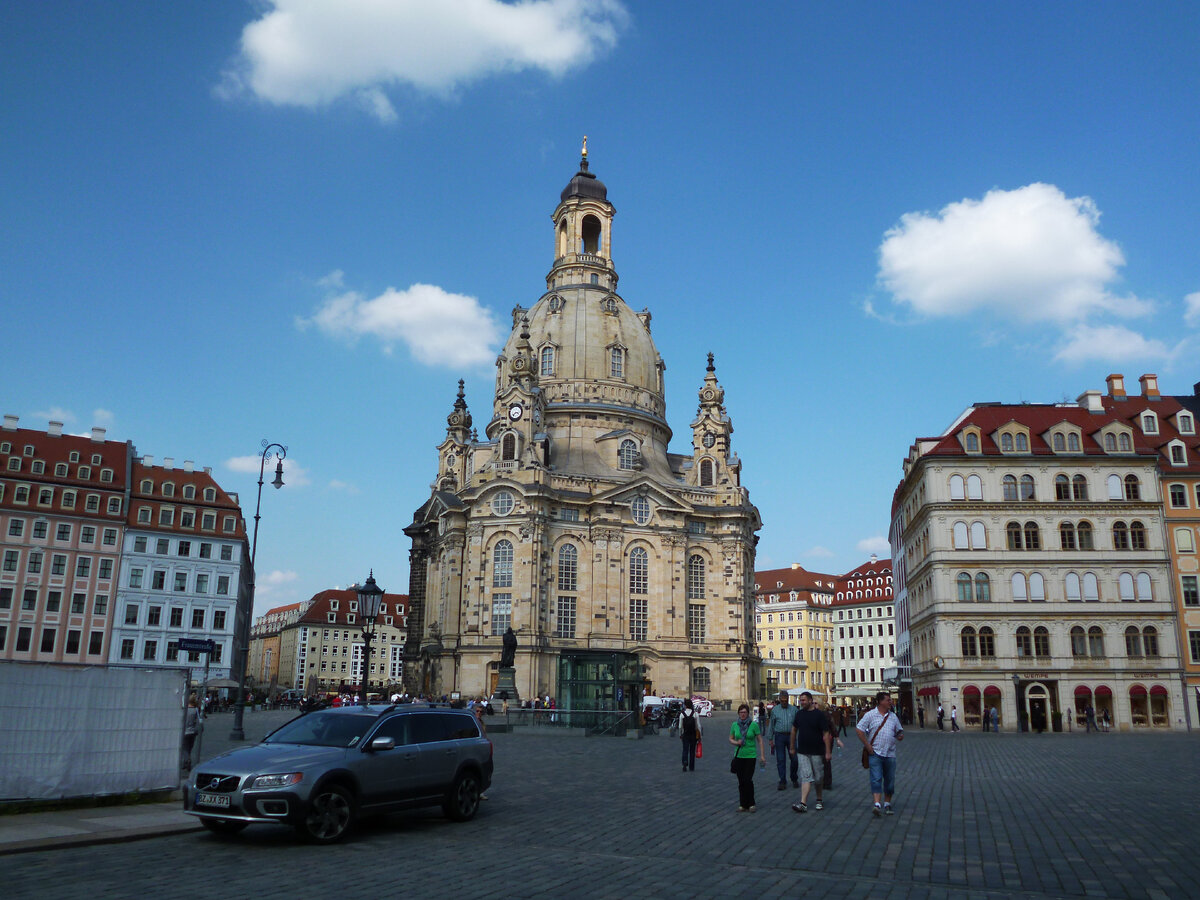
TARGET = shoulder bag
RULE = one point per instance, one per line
(866, 757)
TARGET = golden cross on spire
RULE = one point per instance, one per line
(585, 146)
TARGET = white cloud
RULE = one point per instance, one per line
(103, 417)
(878, 545)
(819, 552)
(293, 473)
(439, 328)
(338, 485)
(56, 414)
(1191, 309)
(306, 53)
(1031, 254)
(1112, 344)
(279, 577)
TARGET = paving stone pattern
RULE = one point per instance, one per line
(978, 815)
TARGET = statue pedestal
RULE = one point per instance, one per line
(506, 685)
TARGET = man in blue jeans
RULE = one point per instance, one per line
(880, 731)
(779, 731)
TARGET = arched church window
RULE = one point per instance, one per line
(568, 567)
(508, 446)
(561, 244)
(695, 577)
(547, 361)
(556, 303)
(706, 473)
(591, 234)
(627, 455)
(616, 367)
(608, 304)
(502, 564)
(639, 571)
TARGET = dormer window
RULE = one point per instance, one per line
(1178, 453)
(1022, 444)
(972, 442)
(147, 486)
(168, 489)
(1060, 442)
(1125, 443)
(189, 492)
(1149, 423)
(1186, 425)
(547, 361)
(627, 455)
(1006, 443)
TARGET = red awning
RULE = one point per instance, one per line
(991, 691)
(1137, 691)
(1103, 691)
(1158, 691)
(970, 691)
(929, 692)
(1083, 691)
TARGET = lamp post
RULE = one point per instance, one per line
(238, 734)
(370, 597)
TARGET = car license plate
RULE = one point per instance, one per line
(203, 799)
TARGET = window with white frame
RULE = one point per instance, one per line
(696, 623)
(627, 455)
(639, 508)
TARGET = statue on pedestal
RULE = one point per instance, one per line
(510, 649)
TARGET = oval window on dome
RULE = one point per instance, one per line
(640, 508)
(502, 503)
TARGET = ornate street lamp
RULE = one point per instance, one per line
(238, 734)
(370, 598)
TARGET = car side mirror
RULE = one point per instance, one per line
(382, 743)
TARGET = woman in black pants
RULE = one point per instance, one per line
(746, 737)
(689, 734)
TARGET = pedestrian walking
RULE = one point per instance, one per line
(845, 711)
(953, 718)
(880, 731)
(941, 714)
(984, 719)
(190, 725)
(689, 734)
(921, 715)
(811, 742)
(779, 732)
(746, 737)
(1090, 717)
(995, 719)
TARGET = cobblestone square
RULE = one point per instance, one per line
(978, 815)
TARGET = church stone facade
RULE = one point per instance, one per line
(620, 566)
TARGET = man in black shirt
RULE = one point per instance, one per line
(812, 743)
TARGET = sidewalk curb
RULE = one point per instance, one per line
(114, 836)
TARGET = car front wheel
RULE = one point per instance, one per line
(330, 815)
(463, 800)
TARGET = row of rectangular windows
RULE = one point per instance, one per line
(62, 532)
(49, 638)
(91, 503)
(187, 519)
(150, 651)
(154, 617)
(54, 601)
(162, 547)
(158, 581)
(58, 564)
(982, 643)
(37, 467)
(29, 450)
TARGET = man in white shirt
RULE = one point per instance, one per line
(880, 731)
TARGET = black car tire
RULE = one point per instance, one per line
(463, 800)
(223, 827)
(329, 817)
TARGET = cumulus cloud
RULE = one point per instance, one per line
(56, 414)
(338, 485)
(438, 328)
(1110, 343)
(103, 417)
(878, 545)
(310, 54)
(819, 552)
(279, 577)
(1031, 254)
(1191, 309)
(294, 474)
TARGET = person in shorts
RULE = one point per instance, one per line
(812, 743)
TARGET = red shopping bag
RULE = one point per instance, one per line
(699, 748)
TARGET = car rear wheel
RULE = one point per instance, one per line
(329, 817)
(224, 827)
(463, 801)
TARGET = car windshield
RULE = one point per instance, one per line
(328, 730)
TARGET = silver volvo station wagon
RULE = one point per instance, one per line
(320, 772)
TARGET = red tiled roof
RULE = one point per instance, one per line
(318, 612)
(769, 581)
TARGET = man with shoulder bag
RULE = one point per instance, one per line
(880, 731)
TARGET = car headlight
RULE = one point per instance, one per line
(276, 781)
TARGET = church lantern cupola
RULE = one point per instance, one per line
(583, 232)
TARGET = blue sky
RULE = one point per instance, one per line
(223, 222)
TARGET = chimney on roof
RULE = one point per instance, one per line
(10, 423)
(208, 470)
(795, 566)
(168, 462)
(1116, 386)
(55, 429)
(874, 559)
(147, 460)
(1090, 400)
(189, 465)
(98, 434)
(1149, 385)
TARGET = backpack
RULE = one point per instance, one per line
(687, 725)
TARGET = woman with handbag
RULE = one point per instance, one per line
(689, 735)
(746, 737)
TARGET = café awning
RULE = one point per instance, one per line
(1083, 691)
(970, 691)
(991, 691)
(1158, 691)
(929, 692)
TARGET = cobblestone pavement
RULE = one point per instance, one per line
(978, 815)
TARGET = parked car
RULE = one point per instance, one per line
(320, 772)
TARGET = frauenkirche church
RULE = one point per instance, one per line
(621, 566)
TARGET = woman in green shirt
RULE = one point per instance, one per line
(746, 736)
